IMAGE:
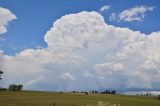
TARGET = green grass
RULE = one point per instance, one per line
(31, 98)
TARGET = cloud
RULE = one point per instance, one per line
(67, 76)
(112, 17)
(5, 17)
(104, 8)
(85, 53)
(132, 14)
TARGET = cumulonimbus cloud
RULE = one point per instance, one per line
(5, 17)
(86, 53)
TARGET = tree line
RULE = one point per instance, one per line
(113, 92)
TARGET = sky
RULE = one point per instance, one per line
(56, 45)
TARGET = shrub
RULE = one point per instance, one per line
(86, 93)
(159, 97)
(60, 92)
(3, 89)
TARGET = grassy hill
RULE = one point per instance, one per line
(31, 98)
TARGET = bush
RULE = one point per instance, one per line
(3, 89)
(159, 97)
(86, 93)
(60, 92)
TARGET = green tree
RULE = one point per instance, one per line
(113, 92)
(19, 87)
(14, 87)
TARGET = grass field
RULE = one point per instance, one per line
(30, 98)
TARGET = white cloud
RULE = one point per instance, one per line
(5, 17)
(114, 57)
(67, 76)
(87, 74)
(104, 8)
(112, 17)
(132, 14)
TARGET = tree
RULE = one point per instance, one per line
(107, 92)
(1, 72)
(94, 91)
(19, 87)
(113, 92)
(14, 87)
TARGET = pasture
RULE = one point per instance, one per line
(35, 98)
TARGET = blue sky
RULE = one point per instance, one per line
(57, 45)
(34, 18)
